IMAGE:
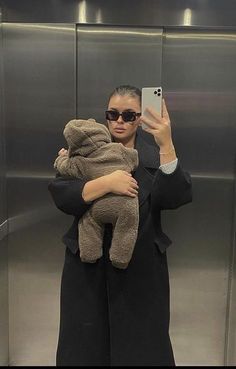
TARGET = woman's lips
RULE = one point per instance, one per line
(119, 130)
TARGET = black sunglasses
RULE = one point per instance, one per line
(127, 116)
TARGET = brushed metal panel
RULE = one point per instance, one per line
(199, 85)
(110, 56)
(231, 319)
(4, 307)
(3, 228)
(39, 64)
(3, 225)
(211, 13)
(3, 209)
(40, 101)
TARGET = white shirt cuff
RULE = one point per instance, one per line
(170, 167)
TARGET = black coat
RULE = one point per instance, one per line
(120, 317)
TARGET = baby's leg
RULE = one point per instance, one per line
(90, 239)
(125, 235)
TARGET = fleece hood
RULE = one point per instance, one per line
(85, 136)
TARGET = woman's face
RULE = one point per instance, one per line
(121, 131)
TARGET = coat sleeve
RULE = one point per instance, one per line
(66, 193)
(171, 191)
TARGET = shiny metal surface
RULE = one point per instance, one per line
(54, 72)
(198, 13)
(231, 318)
(4, 225)
(111, 56)
(3, 209)
(202, 111)
(200, 84)
(4, 328)
(4, 306)
(39, 64)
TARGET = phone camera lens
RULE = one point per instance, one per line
(159, 94)
(159, 90)
(155, 92)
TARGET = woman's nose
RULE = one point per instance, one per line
(120, 120)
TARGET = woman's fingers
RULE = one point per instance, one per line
(133, 191)
(165, 113)
(154, 114)
(150, 123)
(155, 119)
(133, 187)
(122, 183)
(130, 194)
(133, 180)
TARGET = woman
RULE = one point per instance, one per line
(117, 317)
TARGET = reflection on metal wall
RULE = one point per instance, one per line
(210, 13)
(200, 85)
(111, 56)
(40, 98)
(3, 225)
(231, 318)
(56, 71)
(202, 110)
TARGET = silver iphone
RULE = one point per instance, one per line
(151, 97)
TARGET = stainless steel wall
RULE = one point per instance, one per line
(200, 85)
(110, 56)
(52, 73)
(200, 97)
(39, 98)
(3, 224)
(198, 13)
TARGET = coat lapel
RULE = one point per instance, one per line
(148, 163)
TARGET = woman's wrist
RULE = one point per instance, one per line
(96, 188)
(167, 153)
(166, 147)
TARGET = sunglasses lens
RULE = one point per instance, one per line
(128, 116)
(112, 115)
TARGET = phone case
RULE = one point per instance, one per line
(151, 97)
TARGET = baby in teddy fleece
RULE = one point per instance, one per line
(92, 154)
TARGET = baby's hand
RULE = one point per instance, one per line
(63, 152)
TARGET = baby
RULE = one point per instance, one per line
(92, 154)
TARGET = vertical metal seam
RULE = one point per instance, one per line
(3, 118)
(76, 60)
(232, 261)
(163, 35)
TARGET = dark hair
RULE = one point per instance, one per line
(126, 90)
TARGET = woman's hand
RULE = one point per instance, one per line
(121, 182)
(159, 127)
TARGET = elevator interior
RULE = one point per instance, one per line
(52, 71)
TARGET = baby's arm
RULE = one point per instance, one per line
(68, 166)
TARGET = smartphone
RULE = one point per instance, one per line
(151, 97)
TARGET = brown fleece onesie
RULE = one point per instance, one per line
(92, 154)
